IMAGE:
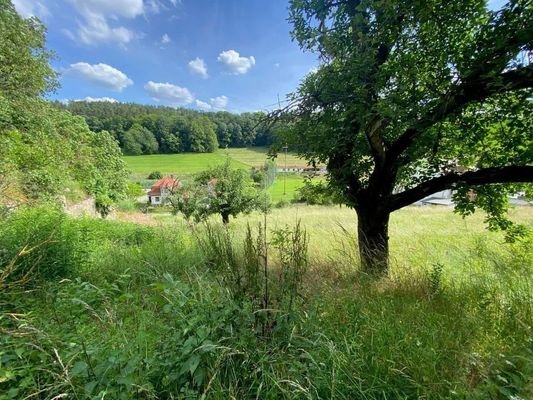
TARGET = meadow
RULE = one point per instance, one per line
(183, 165)
(177, 311)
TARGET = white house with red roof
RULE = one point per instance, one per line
(162, 189)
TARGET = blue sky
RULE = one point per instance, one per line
(235, 55)
(202, 54)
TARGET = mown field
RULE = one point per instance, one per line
(183, 165)
(189, 163)
(173, 311)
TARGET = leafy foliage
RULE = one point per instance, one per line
(175, 130)
(43, 149)
(412, 98)
(219, 190)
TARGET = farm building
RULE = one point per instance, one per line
(162, 189)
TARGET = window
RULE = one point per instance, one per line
(157, 198)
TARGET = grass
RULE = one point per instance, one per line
(151, 313)
(257, 156)
(190, 163)
(285, 187)
(182, 165)
(176, 164)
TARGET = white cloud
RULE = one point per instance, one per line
(96, 29)
(235, 63)
(202, 105)
(167, 92)
(166, 39)
(198, 67)
(31, 8)
(219, 102)
(101, 74)
(109, 8)
(98, 99)
(276, 65)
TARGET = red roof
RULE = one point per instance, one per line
(166, 182)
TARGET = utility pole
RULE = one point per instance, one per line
(285, 176)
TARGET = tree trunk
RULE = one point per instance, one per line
(225, 218)
(373, 237)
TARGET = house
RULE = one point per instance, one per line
(162, 189)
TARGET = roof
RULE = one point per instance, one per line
(166, 182)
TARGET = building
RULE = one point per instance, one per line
(162, 189)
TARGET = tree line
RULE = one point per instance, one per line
(142, 129)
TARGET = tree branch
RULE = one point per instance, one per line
(463, 94)
(480, 177)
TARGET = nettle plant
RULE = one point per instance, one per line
(412, 98)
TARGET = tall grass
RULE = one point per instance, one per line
(170, 313)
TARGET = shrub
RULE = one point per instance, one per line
(134, 190)
(155, 175)
(41, 243)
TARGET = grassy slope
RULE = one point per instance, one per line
(148, 312)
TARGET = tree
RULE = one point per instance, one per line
(139, 140)
(24, 69)
(219, 190)
(411, 98)
(45, 150)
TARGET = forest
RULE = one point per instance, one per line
(142, 129)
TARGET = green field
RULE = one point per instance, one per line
(256, 157)
(176, 164)
(190, 163)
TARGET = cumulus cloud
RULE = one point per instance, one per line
(169, 93)
(101, 74)
(236, 64)
(166, 39)
(109, 8)
(202, 105)
(216, 103)
(219, 102)
(31, 8)
(96, 29)
(198, 67)
(98, 99)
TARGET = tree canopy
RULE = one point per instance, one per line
(412, 98)
(219, 190)
(175, 130)
(45, 151)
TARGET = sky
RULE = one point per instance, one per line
(234, 55)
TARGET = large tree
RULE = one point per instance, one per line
(411, 98)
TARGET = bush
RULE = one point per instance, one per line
(134, 190)
(317, 194)
(41, 244)
(155, 175)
